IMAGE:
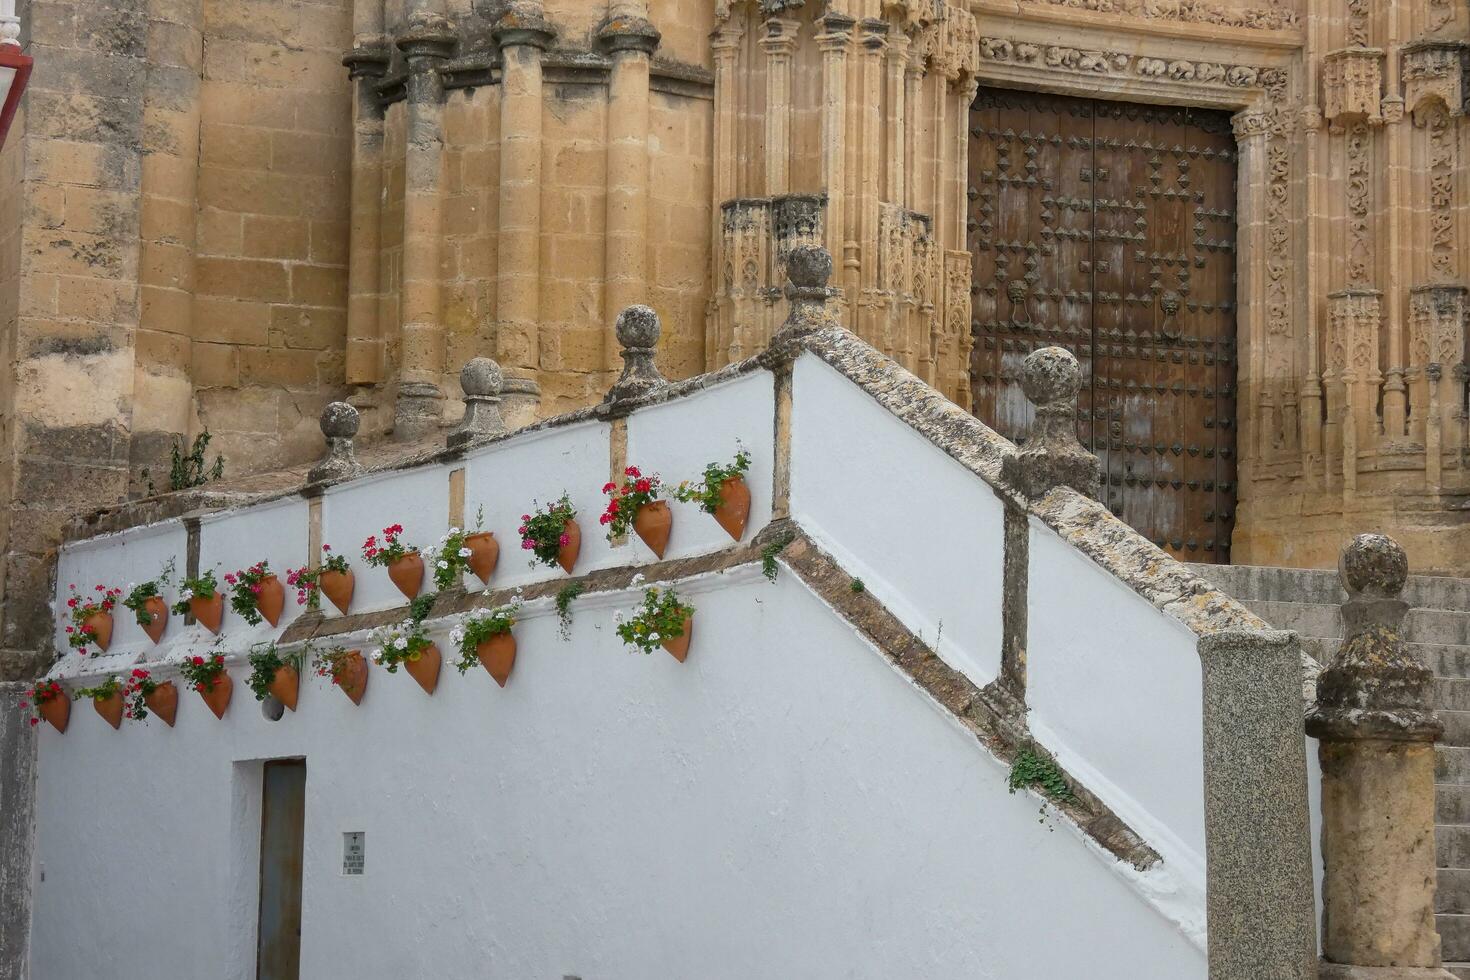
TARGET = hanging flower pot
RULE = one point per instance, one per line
(286, 685)
(271, 599)
(678, 646)
(722, 493)
(208, 611)
(425, 667)
(408, 574)
(91, 619)
(498, 656)
(338, 587)
(110, 708)
(571, 547)
(551, 534)
(733, 510)
(163, 701)
(99, 627)
(351, 675)
(155, 610)
(484, 554)
(217, 696)
(47, 700)
(653, 522)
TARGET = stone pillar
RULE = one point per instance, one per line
(523, 35)
(833, 41)
(629, 41)
(1377, 727)
(367, 62)
(638, 332)
(779, 45)
(427, 43)
(482, 381)
(339, 423)
(1052, 455)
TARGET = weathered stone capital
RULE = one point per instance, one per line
(483, 382)
(635, 34)
(1052, 456)
(1374, 688)
(417, 411)
(339, 422)
(638, 330)
(367, 61)
(523, 25)
(427, 37)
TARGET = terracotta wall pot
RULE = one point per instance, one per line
(208, 612)
(425, 669)
(484, 554)
(111, 709)
(286, 685)
(57, 712)
(218, 697)
(155, 607)
(653, 522)
(408, 574)
(101, 625)
(353, 677)
(164, 702)
(678, 647)
(567, 556)
(734, 509)
(338, 587)
(271, 599)
(498, 656)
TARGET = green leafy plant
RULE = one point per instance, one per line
(38, 694)
(708, 492)
(856, 586)
(203, 587)
(81, 607)
(478, 627)
(399, 643)
(1032, 770)
(245, 591)
(201, 672)
(769, 567)
(307, 580)
(564, 599)
(139, 594)
(101, 692)
(544, 530)
(265, 659)
(660, 618)
(420, 607)
(625, 498)
(189, 469)
(135, 694)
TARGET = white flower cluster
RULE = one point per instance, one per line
(439, 551)
(392, 637)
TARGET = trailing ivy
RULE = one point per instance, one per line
(1032, 771)
(564, 599)
(191, 469)
(769, 553)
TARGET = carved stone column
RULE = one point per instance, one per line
(523, 35)
(638, 332)
(779, 45)
(367, 62)
(426, 44)
(1052, 456)
(1437, 336)
(1353, 318)
(833, 42)
(1377, 727)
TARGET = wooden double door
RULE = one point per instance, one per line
(1109, 229)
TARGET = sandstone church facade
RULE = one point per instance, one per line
(1247, 218)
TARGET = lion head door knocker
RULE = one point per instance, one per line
(1018, 291)
(1170, 303)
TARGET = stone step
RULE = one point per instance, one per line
(1452, 891)
(1451, 804)
(1452, 766)
(1461, 971)
(1429, 627)
(1456, 727)
(1452, 848)
(1313, 585)
(1454, 931)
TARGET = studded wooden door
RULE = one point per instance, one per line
(1109, 229)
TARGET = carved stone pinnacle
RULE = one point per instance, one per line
(1052, 456)
(482, 381)
(339, 423)
(638, 330)
(809, 267)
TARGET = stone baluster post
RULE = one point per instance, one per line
(1052, 456)
(339, 424)
(367, 63)
(482, 382)
(1377, 727)
(638, 331)
(809, 267)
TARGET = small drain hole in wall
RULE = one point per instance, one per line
(272, 709)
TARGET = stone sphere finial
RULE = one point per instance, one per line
(481, 377)
(809, 267)
(1374, 566)
(1051, 375)
(340, 421)
(638, 328)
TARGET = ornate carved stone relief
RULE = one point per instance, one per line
(1437, 325)
(1433, 72)
(1117, 63)
(1271, 17)
(1352, 83)
(1442, 246)
(1353, 317)
(1360, 243)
